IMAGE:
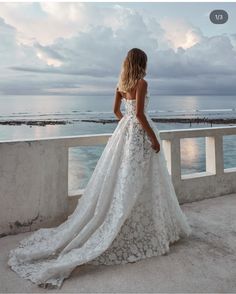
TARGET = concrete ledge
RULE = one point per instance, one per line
(205, 262)
(34, 175)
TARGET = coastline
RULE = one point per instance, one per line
(104, 121)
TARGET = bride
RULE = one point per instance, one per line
(128, 211)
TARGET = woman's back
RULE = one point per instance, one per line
(131, 94)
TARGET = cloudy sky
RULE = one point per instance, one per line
(50, 48)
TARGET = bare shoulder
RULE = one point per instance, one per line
(142, 84)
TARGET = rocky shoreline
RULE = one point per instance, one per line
(104, 121)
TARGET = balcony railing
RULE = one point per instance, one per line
(34, 175)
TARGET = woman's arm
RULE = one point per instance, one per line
(140, 100)
(117, 103)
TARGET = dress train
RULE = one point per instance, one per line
(129, 211)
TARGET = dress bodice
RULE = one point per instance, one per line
(130, 105)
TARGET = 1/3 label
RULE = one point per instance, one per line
(219, 16)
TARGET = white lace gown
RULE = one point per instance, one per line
(129, 211)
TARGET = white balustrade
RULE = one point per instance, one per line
(34, 175)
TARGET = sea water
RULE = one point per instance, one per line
(74, 109)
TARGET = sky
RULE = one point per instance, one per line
(77, 48)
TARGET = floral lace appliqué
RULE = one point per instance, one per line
(129, 211)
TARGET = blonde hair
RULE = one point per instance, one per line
(133, 68)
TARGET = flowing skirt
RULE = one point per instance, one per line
(129, 211)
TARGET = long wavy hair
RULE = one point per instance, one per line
(133, 68)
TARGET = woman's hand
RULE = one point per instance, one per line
(155, 145)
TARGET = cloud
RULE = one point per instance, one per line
(12, 52)
(212, 56)
(61, 11)
(180, 33)
(81, 47)
(51, 20)
(96, 52)
(47, 54)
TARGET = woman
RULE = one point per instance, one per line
(129, 210)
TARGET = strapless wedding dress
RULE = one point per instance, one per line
(128, 211)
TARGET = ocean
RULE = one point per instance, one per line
(35, 117)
